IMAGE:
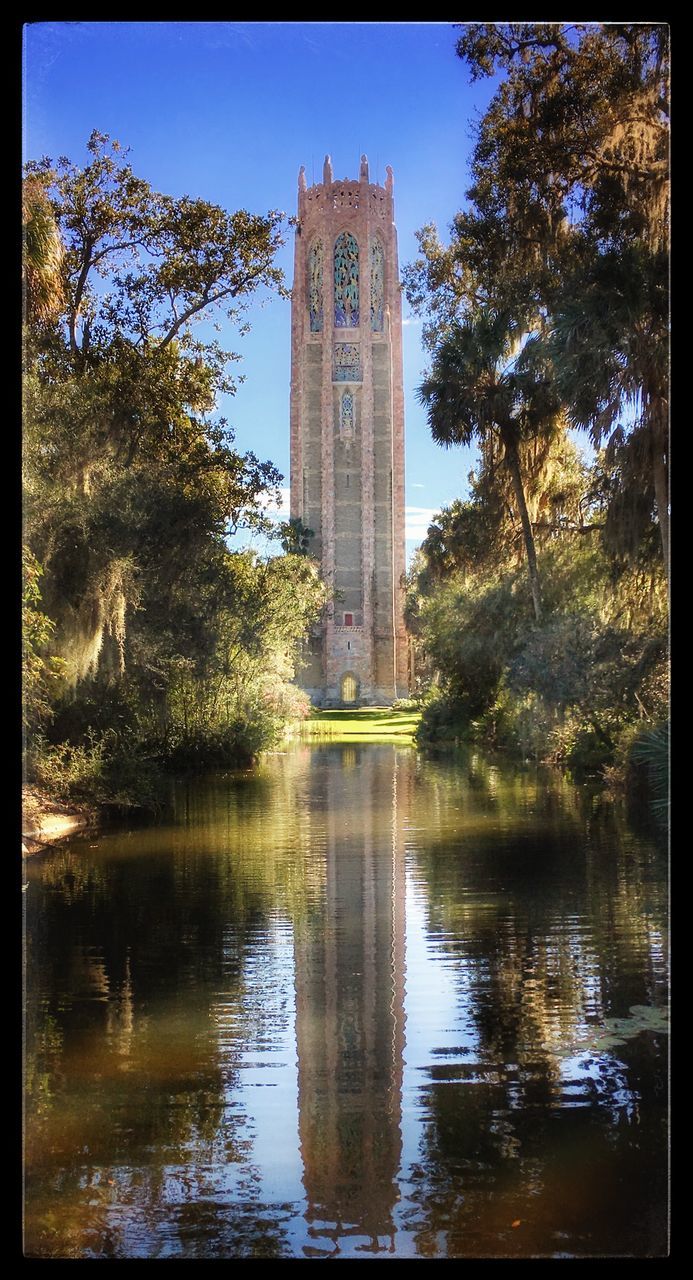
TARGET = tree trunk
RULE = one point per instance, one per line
(512, 458)
(660, 472)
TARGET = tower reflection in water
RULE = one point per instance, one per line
(350, 1011)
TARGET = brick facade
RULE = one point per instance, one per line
(347, 434)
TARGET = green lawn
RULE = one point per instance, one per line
(369, 724)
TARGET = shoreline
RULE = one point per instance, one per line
(46, 821)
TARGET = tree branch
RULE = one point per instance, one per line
(566, 528)
(207, 300)
(79, 294)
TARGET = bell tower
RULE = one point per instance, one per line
(347, 434)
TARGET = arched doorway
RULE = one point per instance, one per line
(349, 688)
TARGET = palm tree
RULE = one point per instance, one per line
(483, 384)
(44, 291)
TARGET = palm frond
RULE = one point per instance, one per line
(651, 750)
(43, 255)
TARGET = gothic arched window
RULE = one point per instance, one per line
(315, 286)
(377, 285)
(346, 415)
(346, 282)
(349, 688)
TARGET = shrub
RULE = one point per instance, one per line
(444, 719)
(101, 772)
(406, 704)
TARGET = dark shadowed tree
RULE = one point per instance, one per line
(567, 224)
(479, 386)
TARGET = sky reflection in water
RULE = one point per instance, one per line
(356, 1003)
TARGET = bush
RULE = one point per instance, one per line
(68, 773)
(519, 722)
(641, 767)
(444, 720)
(103, 772)
(572, 690)
(235, 744)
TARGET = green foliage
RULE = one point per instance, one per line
(483, 387)
(165, 261)
(105, 770)
(41, 672)
(208, 746)
(235, 700)
(565, 690)
(565, 233)
(563, 500)
(579, 125)
(43, 256)
(406, 704)
(295, 537)
(648, 754)
(169, 643)
(444, 719)
(548, 310)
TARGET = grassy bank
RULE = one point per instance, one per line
(370, 724)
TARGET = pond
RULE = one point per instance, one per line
(355, 1003)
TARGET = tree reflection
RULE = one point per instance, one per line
(128, 956)
(160, 961)
(552, 926)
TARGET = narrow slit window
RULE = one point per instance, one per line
(315, 260)
(346, 413)
(377, 286)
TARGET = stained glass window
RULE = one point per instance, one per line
(346, 415)
(347, 362)
(315, 286)
(377, 285)
(346, 282)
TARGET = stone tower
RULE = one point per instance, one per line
(347, 434)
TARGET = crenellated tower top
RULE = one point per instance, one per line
(346, 194)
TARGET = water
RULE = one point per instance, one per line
(358, 1004)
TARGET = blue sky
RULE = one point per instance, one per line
(229, 112)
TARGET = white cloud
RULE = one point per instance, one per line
(416, 522)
